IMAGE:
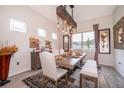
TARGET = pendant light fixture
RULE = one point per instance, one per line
(68, 25)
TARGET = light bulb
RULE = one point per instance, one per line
(65, 21)
(69, 34)
(66, 32)
(63, 30)
(58, 25)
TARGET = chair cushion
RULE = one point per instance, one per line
(61, 72)
(90, 69)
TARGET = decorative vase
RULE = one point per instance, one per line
(4, 68)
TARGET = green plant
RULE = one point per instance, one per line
(88, 43)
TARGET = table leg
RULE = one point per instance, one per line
(81, 83)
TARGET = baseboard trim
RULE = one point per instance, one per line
(119, 72)
(10, 75)
(106, 65)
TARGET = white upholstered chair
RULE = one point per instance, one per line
(55, 52)
(49, 68)
(61, 52)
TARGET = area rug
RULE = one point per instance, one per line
(36, 81)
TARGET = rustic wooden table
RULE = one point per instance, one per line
(70, 62)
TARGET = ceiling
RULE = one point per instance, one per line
(81, 12)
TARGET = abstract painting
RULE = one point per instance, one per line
(104, 41)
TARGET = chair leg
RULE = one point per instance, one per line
(43, 81)
(96, 83)
(56, 84)
(66, 79)
(81, 81)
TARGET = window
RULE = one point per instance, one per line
(41, 32)
(54, 36)
(16, 25)
(88, 41)
(76, 41)
(83, 41)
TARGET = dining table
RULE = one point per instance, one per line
(70, 62)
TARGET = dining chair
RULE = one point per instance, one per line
(55, 52)
(61, 52)
(50, 70)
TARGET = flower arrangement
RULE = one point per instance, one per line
(48, 44)
(34, 42)
(73, 53)
(59, 57)
(8, 50)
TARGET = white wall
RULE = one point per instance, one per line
(104, 22)
(32, 20)
(87, 26)
(119, 54)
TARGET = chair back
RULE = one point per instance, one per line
(48, 65)
(61, 52)
(55, 52)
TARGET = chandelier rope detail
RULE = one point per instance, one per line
(66, 21)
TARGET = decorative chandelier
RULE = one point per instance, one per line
(66, 22)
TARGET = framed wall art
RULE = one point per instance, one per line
(119, 34)
(104, 41)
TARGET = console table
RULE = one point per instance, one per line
(35, 61)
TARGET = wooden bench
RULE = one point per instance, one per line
(89, 71)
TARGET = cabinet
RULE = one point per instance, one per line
(35, 61)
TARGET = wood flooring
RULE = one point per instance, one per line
(110, 78)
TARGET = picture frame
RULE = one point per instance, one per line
(66, 43)
(118, 29)
(104, 41)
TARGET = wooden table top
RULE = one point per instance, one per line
(69, 62)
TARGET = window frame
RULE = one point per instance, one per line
(82, 39)
(54, 38)
(14, 28)
(43, 33)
